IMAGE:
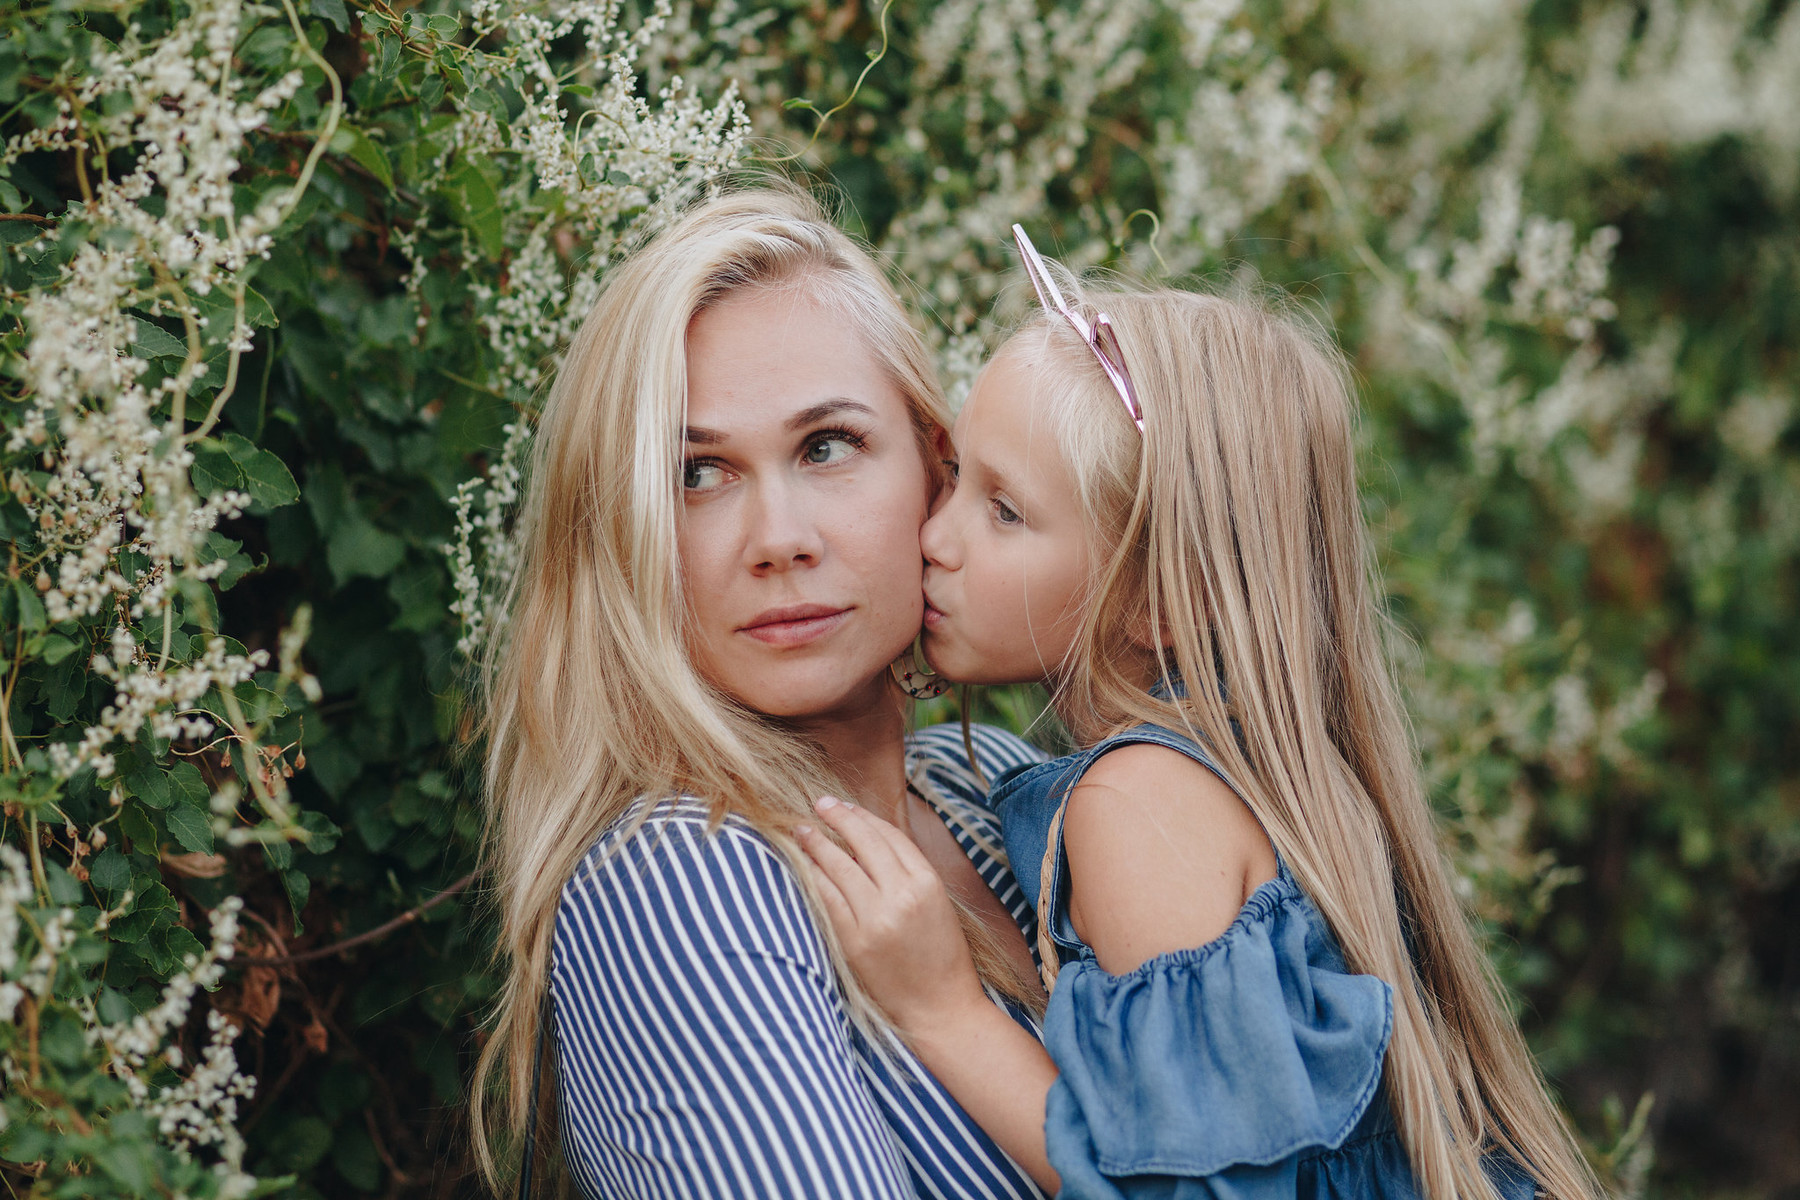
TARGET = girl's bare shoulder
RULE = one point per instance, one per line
(1161, 854)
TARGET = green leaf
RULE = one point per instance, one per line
(153, 908)
(266, 477)
(333, 11)
(31, 609)
(179, 941)
(64, 887)
(358, 548)
(477, 205)
(56, 647)
(192, 827)
(353, 1154)
(146, 780)
(214, 471)
(299, 887)
(114, 1007)
(188, 786)
(352, 141)
(153, 341)
(110, 871)
(258, 312)
(299, 1143)
(132, 1164)
(322, 833)
(135, 824)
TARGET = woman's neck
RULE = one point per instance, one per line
(866, 748)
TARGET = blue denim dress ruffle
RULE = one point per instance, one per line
(1246, 1069)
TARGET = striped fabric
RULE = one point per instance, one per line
(703, 1045)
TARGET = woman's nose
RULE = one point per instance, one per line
(782, 532)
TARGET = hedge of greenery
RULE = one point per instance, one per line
(279, 285)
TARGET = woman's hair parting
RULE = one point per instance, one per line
(1232, 528)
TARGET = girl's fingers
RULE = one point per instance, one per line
(864, 833)
(846, 874)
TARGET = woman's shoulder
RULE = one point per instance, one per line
(674, 873)
(942, 750)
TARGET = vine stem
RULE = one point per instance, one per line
(829, 113)
(370, 935)
(328, 130)
(37, 857)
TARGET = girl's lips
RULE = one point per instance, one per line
(798, 630)
(933, 618)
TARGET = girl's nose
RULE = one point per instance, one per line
(939, 539)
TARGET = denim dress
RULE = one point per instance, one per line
(1245, 1069)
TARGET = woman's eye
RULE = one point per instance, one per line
(1006, 514)
(952, 466)
(699, 475)
(824, 451)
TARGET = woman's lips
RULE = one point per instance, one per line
(796, 625)
(933, 618)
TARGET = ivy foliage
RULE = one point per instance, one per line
(1582, 490)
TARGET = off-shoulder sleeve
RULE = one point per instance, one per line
(703, 1049)
(1208, 1072)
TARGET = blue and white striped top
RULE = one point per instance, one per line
(703, 1045)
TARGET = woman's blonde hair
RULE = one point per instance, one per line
(1232, 528)
(591, 701)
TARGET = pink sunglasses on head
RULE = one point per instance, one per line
(1099, 335)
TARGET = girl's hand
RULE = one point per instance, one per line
(893, 916)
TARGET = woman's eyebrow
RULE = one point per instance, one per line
(826, 408)
(699, 435)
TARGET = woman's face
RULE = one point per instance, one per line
(804, 490)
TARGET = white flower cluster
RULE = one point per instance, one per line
(1554, 282)
(1669, 75)
(484, 558)
(164, 232)
(624, 165)
(194, 1102)
(52, 937)
(162, 699)
(199, 1108)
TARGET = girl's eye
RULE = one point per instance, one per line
(699, 475)
(826, 450)
(954, 467)
(1006, 514)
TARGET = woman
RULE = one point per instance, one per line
(720, 562)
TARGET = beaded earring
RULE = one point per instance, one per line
(914, 674)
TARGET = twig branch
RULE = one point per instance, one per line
(370, 935)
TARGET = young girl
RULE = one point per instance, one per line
(1262, 983)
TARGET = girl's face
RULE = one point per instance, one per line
(1006, 553)
(804, 489)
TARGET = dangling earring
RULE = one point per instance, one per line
(914, 674)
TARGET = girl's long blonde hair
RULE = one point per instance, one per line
(591, 702)
(1232, 528)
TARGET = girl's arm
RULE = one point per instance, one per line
(900, 932)
(1161, 855)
